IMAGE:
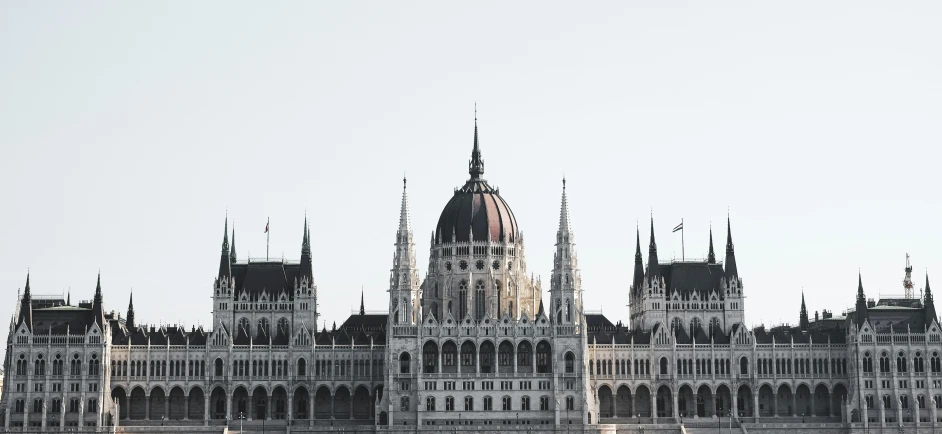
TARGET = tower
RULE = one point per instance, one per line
(566, 287)
(651, 298)
(404, 276)
(929, 304)
(224, 284)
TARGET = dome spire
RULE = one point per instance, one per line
(476, 165)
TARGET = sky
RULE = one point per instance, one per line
(129, 131)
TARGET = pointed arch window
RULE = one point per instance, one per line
(462, 299)
(479, 300)
(568, 310)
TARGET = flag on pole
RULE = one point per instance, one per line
(266, 227)
(678, 227)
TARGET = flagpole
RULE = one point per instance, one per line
(267, 236)
(683, 255)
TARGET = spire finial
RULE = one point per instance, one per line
(476, 165)
(362, 306)
(404, 226)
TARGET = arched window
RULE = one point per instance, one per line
(302, 367)
(901, 362)
(884, 362)
(468, 403)
(218, 364)
(568, 311)
(570, 362)
(404, 362)
(918, 363)
(664, 368)
(404, 403)
(430, 403)
(743, 366)
(867, 362)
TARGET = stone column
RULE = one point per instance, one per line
(268, 408)
(676, 410)
(332, 406)
(310, 415)
(794, 404)
(166, 407)
(228, 406)
(289, 415)
(186, 407)
(755, 404)
(206, 413)
(654, 406)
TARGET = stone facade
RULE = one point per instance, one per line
(473, 344)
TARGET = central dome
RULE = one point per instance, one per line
(476, 208)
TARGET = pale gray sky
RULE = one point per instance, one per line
(128, 129)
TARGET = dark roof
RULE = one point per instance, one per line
(687, 277)
(57, 319)
(269, 276)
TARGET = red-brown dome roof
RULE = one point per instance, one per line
(479, 209)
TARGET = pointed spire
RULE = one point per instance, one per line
(803, 315)
(929, 304)
(307, 265)
(565, 226)
(362, 306)
(26, 306)
(306, 239)
(98, 313)
(711, 256)
(130, 318)
(98, 288)
(639, 263)
(68, 298)
(731, 270)
(476, 165)
(232, 249)
(26, 292)
(653, 272)
(404, 225)
(225, 268)
(861, 313)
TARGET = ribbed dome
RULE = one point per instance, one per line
(476, 207)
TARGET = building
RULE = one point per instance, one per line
(474, 342)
